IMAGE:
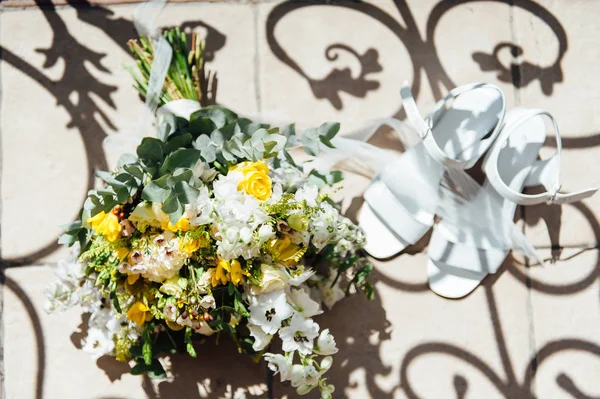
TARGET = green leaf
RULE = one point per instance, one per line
(329, 130)
(156, 370)
(289, 132)
(115, 299)
(138, 369)
(224, 134)
(188, 342)
(248, 127)
(166, 127)
(185, 193)
(181, 158)
(202, 126)
(134, 171)
(326, 141)
(310, 141)
(126, 159)
(150, 151)
(147, 346)
(176, 142)
(68, 239)
(207, 150)
(219, 115)
(173, 208)
(369, 290)
(109, 179)
(157, 190)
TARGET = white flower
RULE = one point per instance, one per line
(303, 304)
(170, 312)
(268, 311)
(304, 375)
(261, 340)
(203, 328)
(274, 278)
(204, 172)
(265, 232)
(325, 344)
(279, 364)
(200, 212)
(331, 295)
(208, 302)
(308, 193)
(299, 335)
(171, 286)
(299, 276)
(203, 282)
(98, 343)
(225, 187)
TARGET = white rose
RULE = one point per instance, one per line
(273, 279)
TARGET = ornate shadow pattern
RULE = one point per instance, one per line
(428, 63)
(77, 79)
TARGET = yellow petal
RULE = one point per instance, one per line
(132, 278)
(139, 313)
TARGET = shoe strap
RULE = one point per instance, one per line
(424, 127)
(542, 172)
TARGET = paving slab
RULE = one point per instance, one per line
(557, 73)
(318, 64)
(65, 65)
(566, 321)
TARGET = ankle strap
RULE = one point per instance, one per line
(543, 172)
(424, 126)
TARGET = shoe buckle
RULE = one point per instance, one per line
(552, 197)
(427, 131)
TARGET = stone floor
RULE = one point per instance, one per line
(526, 332)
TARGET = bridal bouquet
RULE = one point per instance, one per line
(211, 227)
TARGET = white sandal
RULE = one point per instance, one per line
(475, 236)
(401, 201)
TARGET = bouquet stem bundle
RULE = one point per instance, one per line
(186, 78)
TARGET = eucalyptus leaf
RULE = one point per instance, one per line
(201, 126)
(181, 158)
(153, 192)
(186, 194)
(329, 129)
(166, 127)
(219, 115)
(126, 159)
(150, 151)
(289, 132)
(176, 142)
(310, 141)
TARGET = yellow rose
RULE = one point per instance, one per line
(139, 313)
(256, 179)
(247, 167)
(285, 252)
(257, 184)
(106, 224)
